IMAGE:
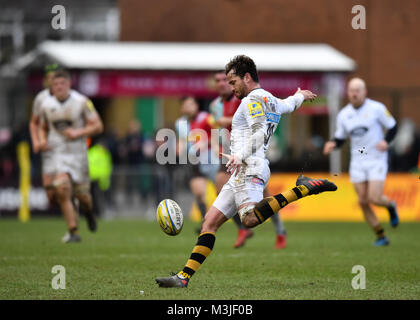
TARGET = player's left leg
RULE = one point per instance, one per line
(376, 196)
(253, 216)
(63, 190)
(82, 193)
(213, 220)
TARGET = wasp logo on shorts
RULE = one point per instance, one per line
(255, 109)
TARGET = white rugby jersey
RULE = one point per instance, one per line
(260, 106)
(71, 113)
(365, 127)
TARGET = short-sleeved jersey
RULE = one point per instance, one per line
(365, 127)
(39, 98)
(71, 113)
(260, 106)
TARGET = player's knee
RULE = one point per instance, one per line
(250, 220)
(63, 192)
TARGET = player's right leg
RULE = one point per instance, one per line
(63, 190)
(244, 233)
(267, 207)
(362, 189)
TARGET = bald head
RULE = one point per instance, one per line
(356, 92)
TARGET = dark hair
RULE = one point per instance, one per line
(242, 64)
(62, 74)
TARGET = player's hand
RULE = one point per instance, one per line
(308, 95)
(233, 165)
(382, 145)
(72, 133)
(329, 146)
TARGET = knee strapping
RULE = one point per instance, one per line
(243, 212)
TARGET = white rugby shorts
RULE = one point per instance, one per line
(370, 170)
(241, 189)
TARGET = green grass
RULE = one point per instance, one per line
(124, 257)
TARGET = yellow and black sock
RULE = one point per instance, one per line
(73, 230)
(201, 251)
(379, 231)
(271, 205)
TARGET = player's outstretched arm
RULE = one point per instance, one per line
(292, 103)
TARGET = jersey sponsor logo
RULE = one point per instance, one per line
(255, 109)
(359, 131)
(273, 117)
(61, 125)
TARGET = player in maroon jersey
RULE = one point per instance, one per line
(223, 108)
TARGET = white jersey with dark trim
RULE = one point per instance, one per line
(260, 106)
(365, 126)
(71, 113)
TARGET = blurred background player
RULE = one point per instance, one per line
(67, 119)
(364, 120)
(194, 132)
(223, 108)
(34, 127)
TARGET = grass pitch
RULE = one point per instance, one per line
(124, 257)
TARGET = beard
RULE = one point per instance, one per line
(240, 94)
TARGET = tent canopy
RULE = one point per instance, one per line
(194, 56)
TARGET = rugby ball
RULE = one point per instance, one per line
(170, 217)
